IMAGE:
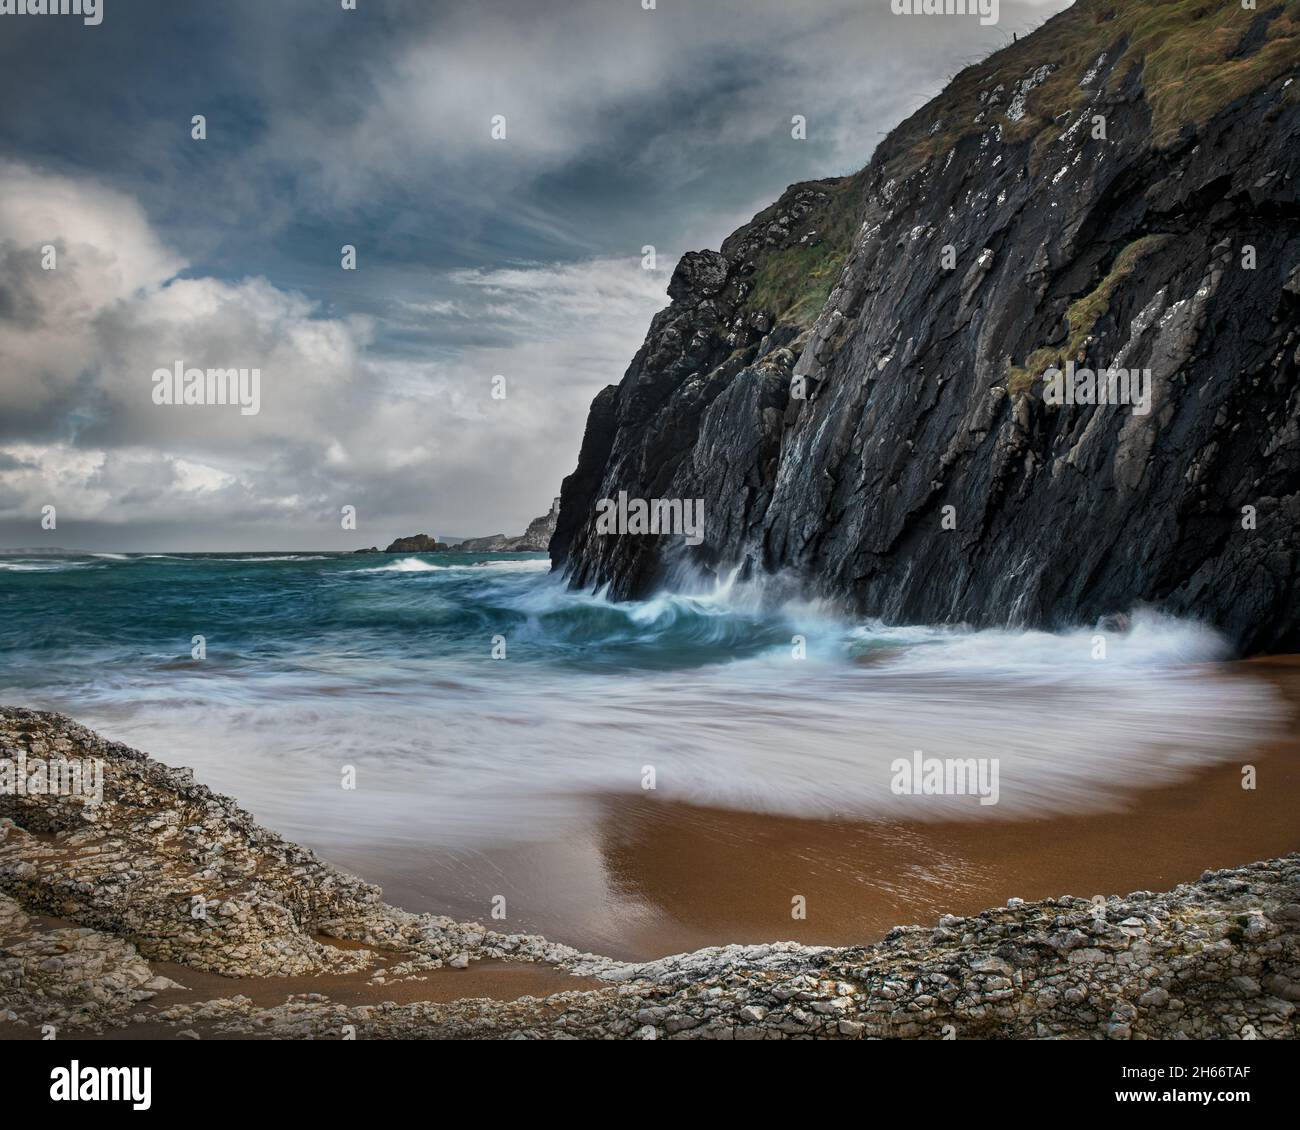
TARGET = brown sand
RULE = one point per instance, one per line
(657, 878)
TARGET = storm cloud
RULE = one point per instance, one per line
(477, 257)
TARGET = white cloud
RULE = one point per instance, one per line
(684, 110)
(412, 443)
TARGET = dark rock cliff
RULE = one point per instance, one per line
(1102, 189)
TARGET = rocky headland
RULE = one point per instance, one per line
(535, 539)
(853, 384)
(107, 909)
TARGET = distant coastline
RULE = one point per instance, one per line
(535, 539)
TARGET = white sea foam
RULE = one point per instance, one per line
(404, 565)
(282, 557)
(417, 565)
(465, 754)
(59, 566)
(530, 565)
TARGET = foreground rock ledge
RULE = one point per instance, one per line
(93, 894)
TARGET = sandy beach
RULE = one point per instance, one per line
(287, 946)
(660, 878)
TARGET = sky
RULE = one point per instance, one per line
(477, 257)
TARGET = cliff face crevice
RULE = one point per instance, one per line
(1117, 190)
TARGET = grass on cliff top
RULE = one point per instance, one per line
(1083, 316)
(1185, 49)
(793, 284)
(1190, 76)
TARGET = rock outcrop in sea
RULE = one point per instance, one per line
(94, 895)
(854, 384)
(417, 543)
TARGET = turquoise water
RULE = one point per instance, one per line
(320, 662)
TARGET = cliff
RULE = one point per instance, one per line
(854, 384)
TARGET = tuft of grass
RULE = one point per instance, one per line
(1189, 75)
(1082, 317)
(793, 283)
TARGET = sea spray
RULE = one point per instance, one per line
(315, 663)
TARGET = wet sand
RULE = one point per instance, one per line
(654, 878)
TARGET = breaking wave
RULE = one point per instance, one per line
(482, 701)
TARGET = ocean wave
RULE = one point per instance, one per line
(405, 565)
(59, 566)
(769, 734)
(740, 695)
(532, 565)
(1152, 640)
(280, 557)
(418, 565)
